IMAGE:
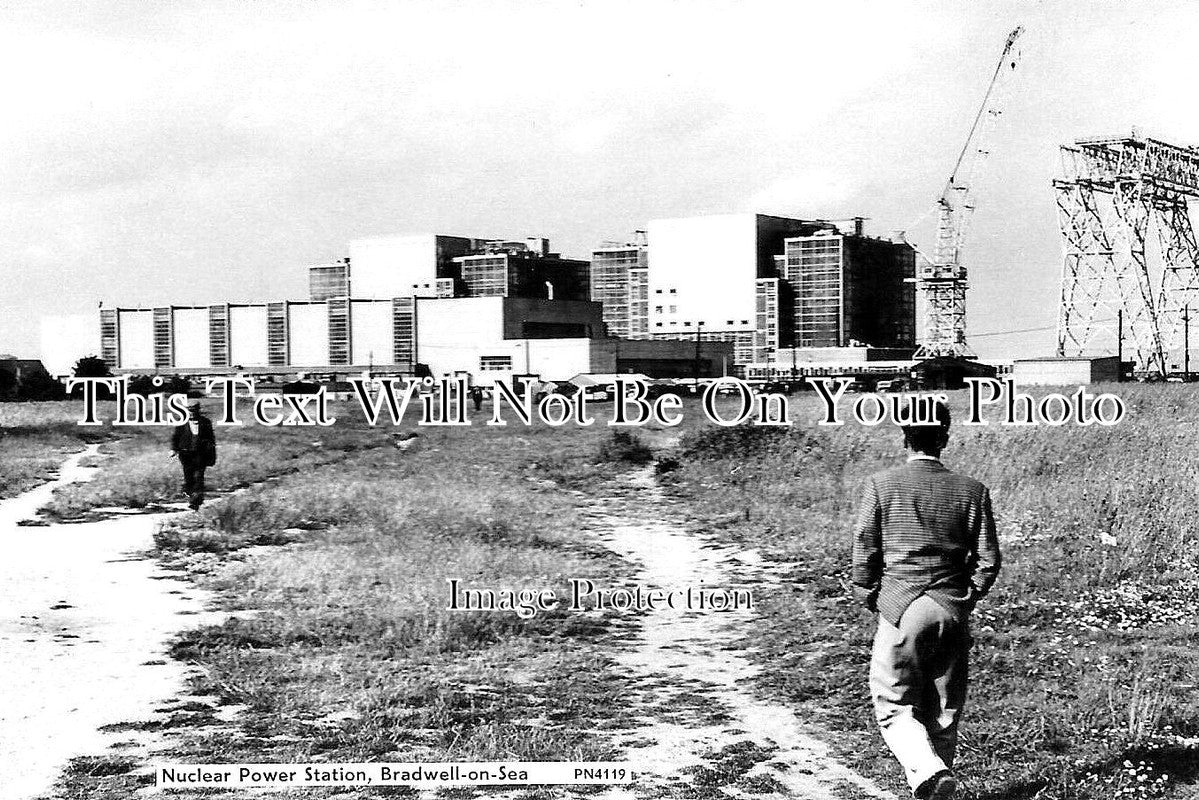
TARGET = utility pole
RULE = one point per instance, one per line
(1186, 343)
(698, 325)
(1120, 341)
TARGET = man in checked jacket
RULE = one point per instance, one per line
(924, 552)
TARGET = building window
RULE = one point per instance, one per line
(673, 291)
(674, 309)
(276, 334)
(657, 324)
(164, 338)
(339, 330)
(658, 309)
(495, 363)
(109, 337)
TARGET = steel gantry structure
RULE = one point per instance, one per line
(942, 282)
(1129, 248)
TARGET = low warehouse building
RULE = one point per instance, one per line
(486, 338)
(1066, 371)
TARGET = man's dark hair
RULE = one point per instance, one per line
(929, 438)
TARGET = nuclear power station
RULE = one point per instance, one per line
(759, 296)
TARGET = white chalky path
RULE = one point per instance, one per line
(82, 611)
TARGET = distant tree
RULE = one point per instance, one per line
(92, 367)
(155, 384)
(177, 384)
(143, 385)
(39, 385)
(8, 384)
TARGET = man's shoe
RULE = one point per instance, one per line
(941, 786)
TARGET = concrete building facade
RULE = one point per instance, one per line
(329, 280)
(850, 289)
(620, 281)
(486, 338)
(762, 283)
(405, 266)
(485, 308)
(1066, 371)
(516, 269)
(715, 278)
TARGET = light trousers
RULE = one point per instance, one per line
(918, 685)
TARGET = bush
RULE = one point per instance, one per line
(741, 442)
(623, 447)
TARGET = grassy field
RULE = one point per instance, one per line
(335, 552)
(1085, 660)
(336, 571)
(34, 440)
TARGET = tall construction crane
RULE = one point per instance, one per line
(942, 282)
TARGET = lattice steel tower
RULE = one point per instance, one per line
(942, 282)
(1128, 246)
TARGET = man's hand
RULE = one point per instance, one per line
(867, 597)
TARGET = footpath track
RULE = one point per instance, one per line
(85, 615)
(697, 715)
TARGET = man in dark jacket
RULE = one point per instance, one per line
(924, 552)
(195, 445)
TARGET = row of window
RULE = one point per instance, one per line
(495, 363)
(687, 324)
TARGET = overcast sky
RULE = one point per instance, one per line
(156, 153)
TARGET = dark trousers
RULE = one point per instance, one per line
(193, 479)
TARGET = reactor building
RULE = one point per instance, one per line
(402, 306)
(791, 296)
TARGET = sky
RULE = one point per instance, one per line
(192, 152)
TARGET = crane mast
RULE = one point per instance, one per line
(942, 282)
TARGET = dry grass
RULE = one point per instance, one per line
(1085, 653)
(34, 440)
(1083, 672)
(141, 471)
(350, 653)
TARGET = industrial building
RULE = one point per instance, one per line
(620, 282)
(413, 265)
(851, 289)
(491, 309)
(487, 338)
(714, 278)
(762, 283)
(329, 280)
(1066, 370)
(499, 338)
(521, 269)
(791, 363)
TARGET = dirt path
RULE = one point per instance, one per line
(700, 724)
(84, 616)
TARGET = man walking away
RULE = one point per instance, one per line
(924, 552)
(195, 445)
